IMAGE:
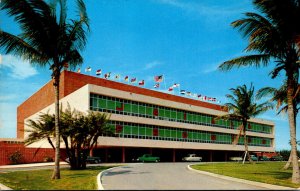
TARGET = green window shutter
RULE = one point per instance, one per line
(149, 111)
(135, 130)
(179, 134)
(161, 112)
(149, 131)
(173, 133)
(173, 114)
(142, 131)
(179, 115)
(111, 105)
(190, 135)
(127, 129)
(135, 108)
(142, 109)
(167, 133)
(161, 132)
(127, 107)
(167, 113)
(102, 103)
(119, 106)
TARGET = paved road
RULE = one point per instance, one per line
(166, 176)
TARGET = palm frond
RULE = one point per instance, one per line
(245, 61)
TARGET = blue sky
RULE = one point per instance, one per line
(183, 40)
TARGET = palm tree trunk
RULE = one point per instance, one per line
(246, 142)
(291, 116)
(56, 172)
(289, 162)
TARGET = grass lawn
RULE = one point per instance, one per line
(267, 172)
(41, 179)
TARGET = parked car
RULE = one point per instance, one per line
(94, 160)
(89, 159)
(192, 158)
(253, 157)
(264, 158)
(236, 159)
(148, 158)
(276, 158)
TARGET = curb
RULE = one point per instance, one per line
(99, 176)
(3, 187)
(265, 185)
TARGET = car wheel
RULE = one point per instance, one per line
(96, 161)
(156, 160)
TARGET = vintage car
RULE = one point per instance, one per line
(148, 158)
(192, 158)
(89, 159)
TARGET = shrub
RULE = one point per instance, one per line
(48, 159)
(16, 157)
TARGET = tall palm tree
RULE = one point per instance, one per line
(243, 107)
(273, 36)
(279, 96)
(47, 38)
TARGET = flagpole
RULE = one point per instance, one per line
(165, 81)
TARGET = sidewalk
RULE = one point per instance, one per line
(31, 165)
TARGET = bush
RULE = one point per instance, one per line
(16, 157)
(48, 159)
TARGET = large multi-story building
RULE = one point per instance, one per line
(148, 121)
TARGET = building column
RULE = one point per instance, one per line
(91, 153)
(106, 155)
(210, 156)
(150, 151)
(123, 154)
(226, 156)
(174, 155)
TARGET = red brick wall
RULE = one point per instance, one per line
(29, 155)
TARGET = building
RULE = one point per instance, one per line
(147, 121)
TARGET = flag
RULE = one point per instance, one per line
(158, 78)
(204, 98)
(78, 71)
(98, 72)
(126, 78)
(141, 83)
(117, 76)
(214, 99)
(176, 85)
(88, 69)
(188, 93)
(199, 96)
(133, 80)
(156, 85)
(182, 91)
(170, 88)
(107, 75)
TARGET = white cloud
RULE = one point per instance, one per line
(152, 65)
(200, 8)
(20, 69)
(8, 97)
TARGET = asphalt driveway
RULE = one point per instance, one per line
(166, 176)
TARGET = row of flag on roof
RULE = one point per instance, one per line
(157, 79)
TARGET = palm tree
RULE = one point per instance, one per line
(243, 107)
(273, 36)
(279, 96)
(47, 38)
(79, 132)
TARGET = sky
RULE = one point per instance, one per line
(183, 40)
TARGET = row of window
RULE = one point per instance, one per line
(133, 108)
(142, 131)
